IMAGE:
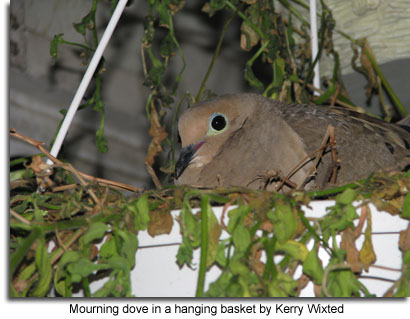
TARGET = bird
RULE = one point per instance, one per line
(249, 140)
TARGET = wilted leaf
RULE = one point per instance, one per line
(295, 249)
(352, 253)
(214, 232)
(404, 241)
(367, 255)
(160, 223)
(249, 37)
(158, 134)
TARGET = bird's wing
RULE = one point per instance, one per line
(364, 144)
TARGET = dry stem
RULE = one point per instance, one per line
(80, 175)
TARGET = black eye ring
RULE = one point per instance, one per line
(218, 122)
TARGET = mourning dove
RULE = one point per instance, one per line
(252, 141)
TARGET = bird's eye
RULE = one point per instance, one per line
(218, 122)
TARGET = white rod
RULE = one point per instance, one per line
(315, 45)
(87, 78)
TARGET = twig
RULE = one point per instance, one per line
(63, 188)
(308, 157)
(335, 161)
(298, 166)
(386, 268)
(335, 95)
(39, 145)
(339, 102)
(154, 176)
(330, 131)
(19, 217)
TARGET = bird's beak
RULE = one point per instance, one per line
(186, 156)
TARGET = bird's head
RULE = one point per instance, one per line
(205, 127)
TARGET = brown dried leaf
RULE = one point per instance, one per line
(404, 241)
(158, 134)
(366, 66)
(255, 259)
(249, 37)
(42, 171)
(302, 283)
(352, 254)
(160, 223)
(317, 289)
(367, 255)
(267, 226)
(174, 8)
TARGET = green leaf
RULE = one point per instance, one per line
(217, 4)
(168, 46)
(149, 31)
(241, 238)
(22, 250)
(128, 246)
(191, 224)
(406, 207)
(57, 40)
(18, 174)
(95, 231)
(251, 78)
(236, 216)
(165, 17)
(312, 266)
(343, 283)
(100, 138)
(43, 264)
(221, 257)
(140, 212)
(108, 249)
(62, 279)
(278, 71)
(347, 196)
(82, 268)
(294, 78)
(82, 26)
(284, 221)
(185, 251)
